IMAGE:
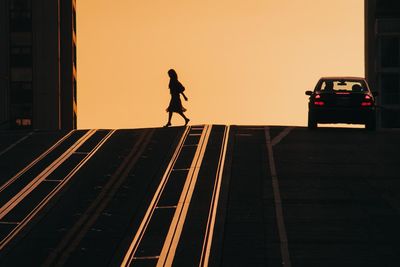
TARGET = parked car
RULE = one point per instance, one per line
(342, 100)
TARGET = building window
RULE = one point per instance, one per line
(20, 4)
(21, 115)
(21, 74)
(390, 52)
(21, 21)
(20, 15)
(21, 38)
(21, 56)
(390, 88)
(21, 93)
(23, 122)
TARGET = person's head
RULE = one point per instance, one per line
(356, 88)
(172, 74)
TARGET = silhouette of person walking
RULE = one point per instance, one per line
(175, 105)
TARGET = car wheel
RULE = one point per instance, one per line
(312, 122)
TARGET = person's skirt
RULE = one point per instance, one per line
(175, 105)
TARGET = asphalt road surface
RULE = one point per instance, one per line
(206, 195)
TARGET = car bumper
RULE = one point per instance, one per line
(343, 115)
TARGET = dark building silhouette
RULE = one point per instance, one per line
(38, 64)
(382, 57)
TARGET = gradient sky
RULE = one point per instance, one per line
(241, 61)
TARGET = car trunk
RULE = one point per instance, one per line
(342, 99)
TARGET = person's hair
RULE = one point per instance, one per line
(172, 74)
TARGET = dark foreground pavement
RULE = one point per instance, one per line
(203, 195)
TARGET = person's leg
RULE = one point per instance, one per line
(183, 116)
(169, 119)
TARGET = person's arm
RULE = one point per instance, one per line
(184, 96)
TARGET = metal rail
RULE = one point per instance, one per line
(209, 234)
(72, 238)
(171, 242)
(129, 255)
(41, 178)
(17, 198)
(34, 162)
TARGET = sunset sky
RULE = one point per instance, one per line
(241, 61)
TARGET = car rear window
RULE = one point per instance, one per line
(342, 85)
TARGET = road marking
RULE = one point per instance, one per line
(278, 202)
(49, 196)
(175, 229)
(205, 254)
(16, 143)
(129, 256)
(281, 135)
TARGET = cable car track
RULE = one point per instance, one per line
(130, 254)
(34, 162)
(70, 241)
(174, 224)
(33, 189)
(209, 233)
(179, 188)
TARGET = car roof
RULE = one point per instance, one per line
(348, 78)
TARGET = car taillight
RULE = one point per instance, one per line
(319, 103)
(317, 100)
(367, 102)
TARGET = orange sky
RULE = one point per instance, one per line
(241, 61)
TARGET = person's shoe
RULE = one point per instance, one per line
(186, 121)
(167, 125)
